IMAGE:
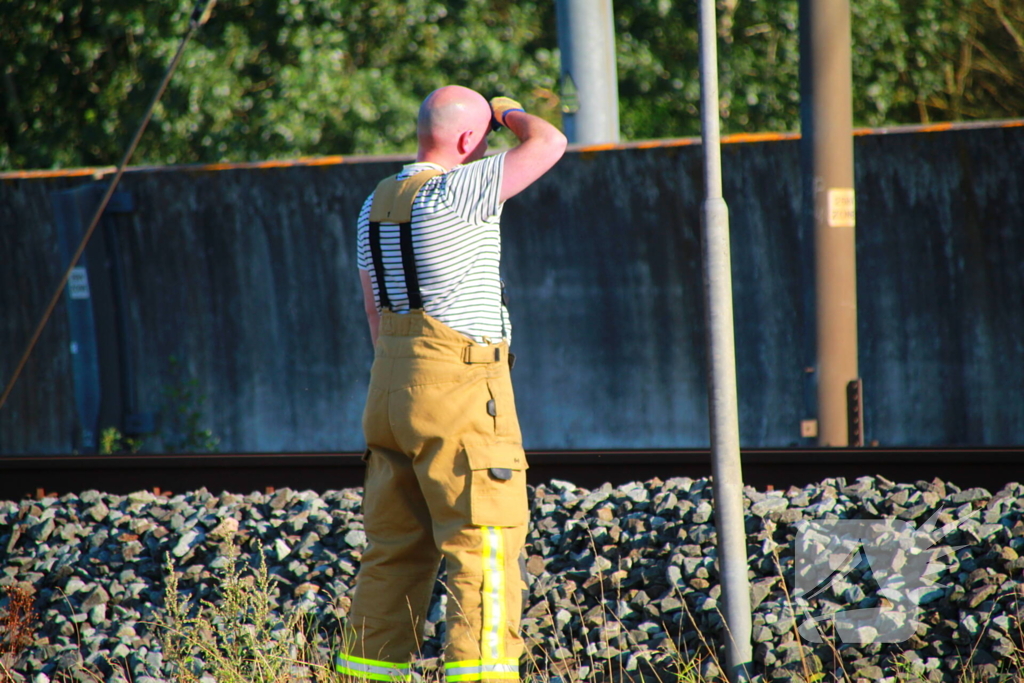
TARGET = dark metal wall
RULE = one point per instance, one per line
(941, 260)
(247, 277)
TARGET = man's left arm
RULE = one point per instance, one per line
(370, 305)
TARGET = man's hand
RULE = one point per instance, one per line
(500, 106)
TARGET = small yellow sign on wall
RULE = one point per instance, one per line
(842, 209)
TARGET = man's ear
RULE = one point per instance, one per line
(465, 144)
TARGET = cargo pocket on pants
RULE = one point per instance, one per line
(497, 486)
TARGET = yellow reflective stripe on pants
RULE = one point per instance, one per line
(507, 669)
(492, 644)
(372, 669)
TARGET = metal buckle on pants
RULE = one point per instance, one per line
(481, 354)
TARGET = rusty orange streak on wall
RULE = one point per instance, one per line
(331, 160)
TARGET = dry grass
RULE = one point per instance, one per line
(18, 622)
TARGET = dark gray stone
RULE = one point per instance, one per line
(969, 496)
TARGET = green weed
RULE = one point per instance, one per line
(238, 637)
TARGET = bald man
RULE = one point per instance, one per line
(446, 471)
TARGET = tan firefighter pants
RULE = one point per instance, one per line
(445, 477)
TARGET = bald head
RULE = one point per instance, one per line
(454, 121)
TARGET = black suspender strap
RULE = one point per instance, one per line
(378, 264)
(502, 307)
(412, 280)
(392, 203)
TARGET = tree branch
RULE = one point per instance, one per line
(997, 5)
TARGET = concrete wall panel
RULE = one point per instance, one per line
(247, 277)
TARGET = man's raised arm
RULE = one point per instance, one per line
(540, 146)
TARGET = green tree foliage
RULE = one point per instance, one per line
(263, 79)
(659, 77)
(938, 60)
(914, 61)
(283, 78)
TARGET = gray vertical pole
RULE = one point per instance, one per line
(828, 131)
(589, 81)
(722, 402)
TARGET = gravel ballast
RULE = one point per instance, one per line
(623, 581)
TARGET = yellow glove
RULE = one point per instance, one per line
(500, 107)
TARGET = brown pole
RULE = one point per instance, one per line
(831, 137)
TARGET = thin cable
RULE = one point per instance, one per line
(199, 17)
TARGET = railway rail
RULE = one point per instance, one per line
(29, 476)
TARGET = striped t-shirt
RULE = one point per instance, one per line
(456, 239)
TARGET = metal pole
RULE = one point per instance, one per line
(722, 402)
(829, 133)
(589, 81)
